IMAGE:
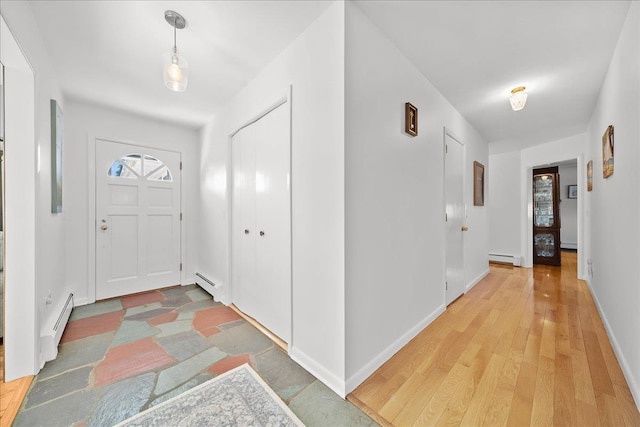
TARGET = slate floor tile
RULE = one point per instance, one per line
(129, 301)
(129, 360)
(90, 310)
(76, 354)
(199, 379)
(184, 345)
(178, 374)
(146, 315)
(52, 388)
(198, 294)
(229, 363)
(122, 400)
(317, 405)
(142, 309)
(240, 340)
(167, 329)
(282, 374)
(60, 412)
(131, 330)
(230, 325)
(198, 305)
(163, 318)
(206, 321)
(94, 325)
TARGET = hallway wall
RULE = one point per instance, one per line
(40, 268)
(395, 228)
(568, 207)
(614, 245)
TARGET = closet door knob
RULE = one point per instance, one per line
(261, 233)
(246, 231)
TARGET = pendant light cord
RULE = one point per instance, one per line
(175, 46)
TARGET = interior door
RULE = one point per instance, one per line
(137, 219)
(454, 207)
(261, 221)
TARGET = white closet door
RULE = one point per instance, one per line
(261, 221)
(273, 249)
(245, 292)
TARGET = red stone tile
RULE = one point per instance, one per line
(141, 299)
(228, 364)
(163, 318)
(131, 359)
(206, 320)
(91, 326)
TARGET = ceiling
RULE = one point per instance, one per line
(474, 52)
(110, 52)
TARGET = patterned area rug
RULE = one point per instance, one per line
(236, 398)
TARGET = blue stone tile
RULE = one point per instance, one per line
(90, 310)
(176, 375)
(52, 388)
(122, 400)
(77, 353)
(131, 330)
(63, 412)
(184, 345)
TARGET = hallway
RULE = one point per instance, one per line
(523, 347)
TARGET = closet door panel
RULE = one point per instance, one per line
(245, 287)
(273, 207)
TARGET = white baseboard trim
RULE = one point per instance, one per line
(320, 372)
(564, 245)
(77, 302)
(477, 279)
(365, 372)
(189, 281)
(508, 259)
(633, 386)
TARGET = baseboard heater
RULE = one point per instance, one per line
(50, 337)
(505, 259)
(209, 286)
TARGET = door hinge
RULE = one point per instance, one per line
(446, 148)
(180, 266)
(180, 216)
(446, 217)
(180, 165)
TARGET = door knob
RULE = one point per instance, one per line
(261, 233)
(103, 227)
(463, 228)
(246, 231)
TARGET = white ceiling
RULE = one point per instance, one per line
(110, 52)
(474, 52)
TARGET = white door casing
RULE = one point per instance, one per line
(261, 221)
(138, 244)
(454, 208)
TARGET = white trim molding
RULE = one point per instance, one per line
(477, 279)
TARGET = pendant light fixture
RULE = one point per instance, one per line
(518, 98)
(175, 68)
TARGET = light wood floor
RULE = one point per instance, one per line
(11, 394)
(523, 347)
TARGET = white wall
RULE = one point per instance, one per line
(87, 122)
(395, 230)
(568, 207)
(507, 204)
(314, 65)
(504, 205)
(615, 202)
(43, 268)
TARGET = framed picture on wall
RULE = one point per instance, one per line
(607, 152)
(410, 119)
(573, 191)
(590, 175)
(478, 184)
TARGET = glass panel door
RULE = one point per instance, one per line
(546, 220)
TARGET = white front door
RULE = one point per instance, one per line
(137, 219)
(261, 221)
(454, 205)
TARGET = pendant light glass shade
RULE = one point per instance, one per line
(518, 98)
(175, 70)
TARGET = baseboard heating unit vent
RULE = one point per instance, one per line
(505, 259)
(50, 336)
(209, 286)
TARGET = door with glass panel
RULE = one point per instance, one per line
(546, 218)
(137, 219)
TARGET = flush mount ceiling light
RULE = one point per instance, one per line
(518, 98)
(175, 68)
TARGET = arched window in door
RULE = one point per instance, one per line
(140, 166)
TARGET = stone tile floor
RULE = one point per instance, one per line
(121, 356)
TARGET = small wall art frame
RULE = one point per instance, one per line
(573, 192)
(590, 175)
(478, 184)
(607, 152)
(410, 119)
(57, 140)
